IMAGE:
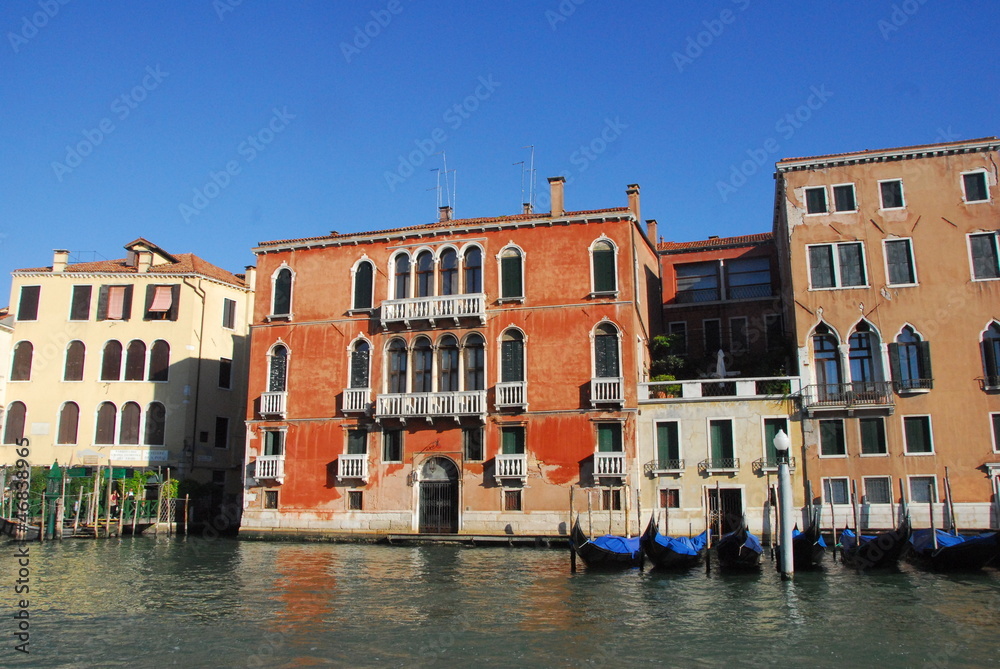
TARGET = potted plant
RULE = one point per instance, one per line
(663, 390)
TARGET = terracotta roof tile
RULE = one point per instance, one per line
(867, 152)
(717, 242)
(187, 263)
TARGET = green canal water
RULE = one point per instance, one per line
(165, 602)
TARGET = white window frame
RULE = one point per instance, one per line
(995, 431)
(763, 431)
(590, 252)
(819, 440)
(708, 435)
(902, 195)
(986, 180)
(836, 266)
(885, 433)
(354, 272)
(913, 261)
(680, 437)
(864, 489)
(968, 247)
(822, 489)
(930, 431)
(500, 275)
(291, 292)
(854, 192)
(826, 200)
(909, 486)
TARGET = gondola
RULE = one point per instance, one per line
(739, 550)
(954, 552)
(672, 552)
(18, 530)
(808, 548)
(876, 551)
(609, 551)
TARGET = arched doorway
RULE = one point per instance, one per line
(438, 496)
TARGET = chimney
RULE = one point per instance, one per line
(250, 276)
(651, 230)
(444, 213)
(556, 191)
(59, 259)
(526, 208)
(633, 200)
(144, 260)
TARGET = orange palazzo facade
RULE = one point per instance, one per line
(454, 377)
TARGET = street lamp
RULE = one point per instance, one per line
(782, 445)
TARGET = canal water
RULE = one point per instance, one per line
(164, 602)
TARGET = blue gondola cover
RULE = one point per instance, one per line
(684, 545)
(615, 544)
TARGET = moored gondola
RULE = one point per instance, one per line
(953, 552)
(672, 552)
(876, 551)
(739, 550)
(608, 551)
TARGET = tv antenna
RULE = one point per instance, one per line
(450, 183)
(531, 177)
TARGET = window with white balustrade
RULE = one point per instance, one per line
(397, 362)
(448, 364)
(606, 357)
(277, 378)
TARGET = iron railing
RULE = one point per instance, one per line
(871, 394)
(665, 466)
(719, 465)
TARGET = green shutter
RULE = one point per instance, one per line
(918, 438)
(604, 271)
(606, 356)
(609, 438)
(771, 428)
(363, 286)
(510, 268)
(872, 436)
(667, 446)
(894, 366)
(722, 439)
(924, 351)
(512, 440)
(512, 361)
(357, 442)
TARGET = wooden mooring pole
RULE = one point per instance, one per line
(572, 548)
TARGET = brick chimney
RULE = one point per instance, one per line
(633, 200)
(651, 230)
(556, 191)
(444, 213)
(59, 259)
(526, 208)
(250, 276)
(144, 259)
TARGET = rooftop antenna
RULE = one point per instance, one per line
(450, 187)
(437, 170)
(521, 163)
(531, 176)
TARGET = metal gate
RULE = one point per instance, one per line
(438, 497)
(731, 513)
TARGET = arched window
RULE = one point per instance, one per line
(423, 361)
(156, 420)
(448, 364)
(21, 368)
(111, 363)
(512, 356)
(603, 257)
(910, 361)
(397, 366)
(107, 416)
(606, 363)
(14, 430)
(475, 362)
(277, 378)
(863, 344)
(991, 355)
(360, 364)
(402, 276)
(129, 429)
(159, 361)
(76, 354)
(69, 423)
(364, 281)
(511, 278)
(281, 302)
(827, 360)
(473, 262)
(425, 274)
(449, 272)
(135, 360)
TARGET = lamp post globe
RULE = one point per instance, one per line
(782, 446)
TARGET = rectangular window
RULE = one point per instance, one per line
(985, 262)
(713, 335)
(831, 438)
(609, 437)
(611, 500)
(836, 265)
(114, 303)
(221, 432)
(899, 262)
(774, 331)
(355, 500)
(843, 198)
(161, 303)
(274, 442)
(892, 194)
(225, 373)
(923, 489)
(872, 436)
(472, 443)
(836, 491)
(511, 500)
(228, 313)
(995, 420)
(771, 428)
(816, 200)
(721, 437)
(357, 442)
(975, 188)
(679, 330)
(739, 336)
(878, 490)
(392, 446)
(917, 432)
(668, 445)
(80, 307)
(270, 499)
(670, 498)
(27, 308)
(748, 278)
(698, 282)
(512, 440)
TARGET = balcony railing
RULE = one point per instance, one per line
(708, 389)
(512, 394)
(356, 400)
(270, 467)
(849, 396)
(434, 308)
(989, 383)
(770, 465)
(431, 405)
(606, 390)
(912, 385)
(609, 464)
(654, 467)
(273, 403)
(511, 466)
(352, 466)
(711, 465)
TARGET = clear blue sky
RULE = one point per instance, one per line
(628, 80)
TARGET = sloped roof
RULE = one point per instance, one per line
(715, 243)
(186, 263)
(895, 153)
